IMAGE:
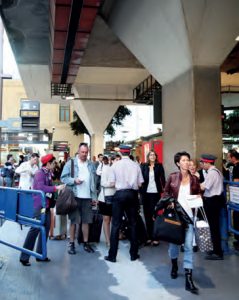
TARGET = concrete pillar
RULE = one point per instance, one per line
(97, 142)
(182, 44)
(96, 116)
(192, 115)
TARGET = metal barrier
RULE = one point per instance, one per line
(231, 189)
(18, 206)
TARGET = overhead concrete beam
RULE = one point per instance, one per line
(37, 82)
(170, 37)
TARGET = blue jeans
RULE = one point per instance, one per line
(173, 249)
(8, 181)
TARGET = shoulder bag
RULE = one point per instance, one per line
(169, 228)
(66, 202)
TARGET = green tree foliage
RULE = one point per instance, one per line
(78, 127)
(117, 120)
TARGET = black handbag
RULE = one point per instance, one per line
(169, 228)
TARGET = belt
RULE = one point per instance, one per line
(126, 190)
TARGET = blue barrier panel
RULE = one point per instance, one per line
(232, 195)
(18, 206)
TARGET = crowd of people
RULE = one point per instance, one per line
(119, 185)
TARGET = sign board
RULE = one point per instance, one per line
(60, 146)
(12, 123)
(30, 113)
(234, 194)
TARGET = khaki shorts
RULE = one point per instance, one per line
(83, 213)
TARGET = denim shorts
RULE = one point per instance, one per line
(83, 213)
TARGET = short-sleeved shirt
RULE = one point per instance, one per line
(213, 182)
(126, 174)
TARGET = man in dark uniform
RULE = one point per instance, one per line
(213, 200)
(233, 157)
(126, 176)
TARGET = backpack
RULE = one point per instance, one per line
(3, 172)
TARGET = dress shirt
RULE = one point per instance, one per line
(126, 174)
(213, 183)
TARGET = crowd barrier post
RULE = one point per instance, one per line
(17, 205)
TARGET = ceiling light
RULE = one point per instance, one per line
(237, 38)
(70, 98)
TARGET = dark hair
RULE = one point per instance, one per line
(234, 153)
(156, 155)
(178, 156)
(83, 144)
(105, 158)
(9, 156)
(100, 154)
(35, 155)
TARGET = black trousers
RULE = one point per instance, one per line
(125, 201)
(149, 202)
(212, 206)
(32, 235)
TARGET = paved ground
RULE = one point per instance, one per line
(88, 277)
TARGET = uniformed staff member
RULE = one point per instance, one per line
(233, 157)
(126, 176)
(213, 201)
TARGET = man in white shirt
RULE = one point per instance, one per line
(213, 200)
(126, 177)
(27, 170)
(83, 186)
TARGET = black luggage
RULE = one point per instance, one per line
(94, 230)
(140, 229)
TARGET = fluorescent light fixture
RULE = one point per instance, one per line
(237, 38)
(70, 98)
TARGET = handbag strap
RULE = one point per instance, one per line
(72, 168)
(202, 211)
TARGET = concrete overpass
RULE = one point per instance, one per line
(100, 50)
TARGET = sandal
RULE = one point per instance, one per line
(57, 238)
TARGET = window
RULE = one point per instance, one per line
(64, 113)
